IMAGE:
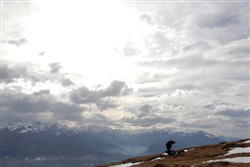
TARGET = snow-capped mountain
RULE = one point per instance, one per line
(98, 144)
(36, 127)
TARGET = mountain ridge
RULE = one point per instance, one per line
(103, 144)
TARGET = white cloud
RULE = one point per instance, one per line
(236, 51)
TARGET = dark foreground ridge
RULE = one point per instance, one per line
(236, 153)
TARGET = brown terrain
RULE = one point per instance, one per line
(194, 157)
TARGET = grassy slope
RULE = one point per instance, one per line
(196, 156)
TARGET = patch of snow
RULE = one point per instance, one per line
(127, 164)
(24, 131)
(165, 154)
(233, 160)
(248, 141)
(239, 150)
(13, 127)
(209, 135)
(159, 158)
(186, 150)
(205, 134)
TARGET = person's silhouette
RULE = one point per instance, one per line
(169, 146)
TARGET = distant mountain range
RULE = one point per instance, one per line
(33, 143)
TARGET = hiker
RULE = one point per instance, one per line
(169, 146)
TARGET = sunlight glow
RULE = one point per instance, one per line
(84, 36)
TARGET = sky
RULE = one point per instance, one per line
(133, 65)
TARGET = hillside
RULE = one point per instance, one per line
(236, 153)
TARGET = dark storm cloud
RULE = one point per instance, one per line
(55, 67)
(83, 95)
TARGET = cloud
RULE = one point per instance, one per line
(17, 106)
(146, 108)
(149, 77)
(116, 88)
(145, 18)
(17, 43)
(25, 72)
(199, 124)
(232, 111)
(98, 119)
(42, 92)
(55, 67)
(228, 52)
(41, 53)
(104, 99)
(224, 21)
(236, 117)
(218, 19)
(144, 111)
(10, 73)
(214, 104)
(183, 93)
(149, 121)
(105, 104)
(130, 49)
(15, 72)
(66, 82)
(148, 115)
(83, 95)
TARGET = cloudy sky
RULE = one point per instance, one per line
(127, 65)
